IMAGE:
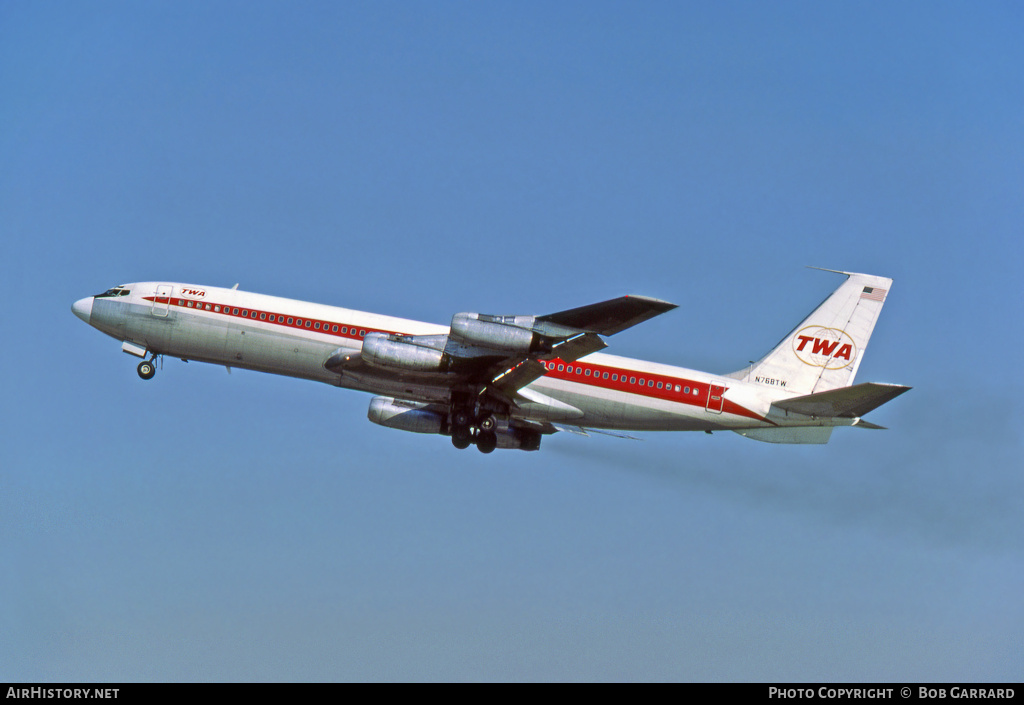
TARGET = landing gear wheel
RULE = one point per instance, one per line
(487, 441)
(487, 423)
(461, 418)
(461, 441)
(147, 369)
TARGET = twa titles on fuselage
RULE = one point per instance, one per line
(506, 381)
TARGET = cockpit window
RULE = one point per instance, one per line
(116, 291)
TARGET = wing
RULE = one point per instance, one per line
(495, 355)
(572, 334)
(610, 317)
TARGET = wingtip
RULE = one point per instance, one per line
(650, 300)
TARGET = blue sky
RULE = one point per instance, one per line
(420, 159)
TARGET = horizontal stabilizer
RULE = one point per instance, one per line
(861, 423)
(844, 402)
(581, 431)
(803, 435)
(610, 317)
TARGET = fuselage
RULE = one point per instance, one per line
(240, 329)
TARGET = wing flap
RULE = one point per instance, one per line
(518, 376)
(577, 346)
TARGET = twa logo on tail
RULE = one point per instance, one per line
(830, 348)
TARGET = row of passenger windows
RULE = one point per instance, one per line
(615, 377)
(334, 328)
(273, 318)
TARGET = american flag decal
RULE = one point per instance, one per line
(874, 294)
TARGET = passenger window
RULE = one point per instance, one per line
(317, 326)
(307, 324)
(561, 367)
(216, 309)
(659, 385)
(587, 373)
(632, 380)
(615, 378)
(362, 333)
(605, 375)
(344, 329)
(677, 387)
(335, 329)
(235, 312)
(263, 316)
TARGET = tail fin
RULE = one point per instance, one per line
(825, 350)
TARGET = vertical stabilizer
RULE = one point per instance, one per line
(824, 351)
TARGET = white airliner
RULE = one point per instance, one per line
(506, 381)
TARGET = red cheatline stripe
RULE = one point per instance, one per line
(644, 384)
(297, 322)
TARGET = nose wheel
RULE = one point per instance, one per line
(147, 369)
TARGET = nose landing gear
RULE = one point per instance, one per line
(147, 368)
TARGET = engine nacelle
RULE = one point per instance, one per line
(405, 415)
(518, 438)
(381, 350)
(511, 334)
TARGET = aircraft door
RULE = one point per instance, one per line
(162, 300)
(716, 399)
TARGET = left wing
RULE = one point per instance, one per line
(610, 317)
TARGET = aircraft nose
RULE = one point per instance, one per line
(83, 308)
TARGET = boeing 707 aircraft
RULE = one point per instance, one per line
(507, 381)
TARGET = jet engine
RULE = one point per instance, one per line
(391, 352)
(522, 439)
(406, 415)
(512, 334)
(419, 417)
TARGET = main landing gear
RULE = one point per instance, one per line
(147, 368)
(467, 430)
